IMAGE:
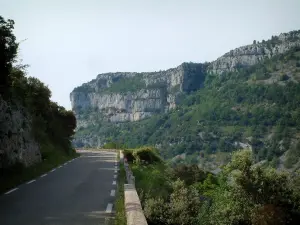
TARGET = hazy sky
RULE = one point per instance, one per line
(69, 42)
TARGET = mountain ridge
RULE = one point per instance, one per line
(199, 111)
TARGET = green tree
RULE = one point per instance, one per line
(253, 194)
(8, 52)
(184, 204)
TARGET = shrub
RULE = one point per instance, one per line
(128, 154)
(156, 211)
(112, 145)
(148, 155)
(189, 174)
(142, 155)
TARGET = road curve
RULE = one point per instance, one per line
(79, 192)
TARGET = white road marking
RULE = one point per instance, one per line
(112, 193)
(53, 170)
(114, 182)
(116, 171)
(65, 164)
(59, 167)
(116, 167)
(44, 175)
(115, 176)
(109, 208)
(29, 182)
(12, 190)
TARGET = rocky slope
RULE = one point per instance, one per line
(16, 140)
(136, 108)
(134, 96)
(249, 55)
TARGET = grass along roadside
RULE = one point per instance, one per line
(19, 175)
(150, 181)
(120, 218)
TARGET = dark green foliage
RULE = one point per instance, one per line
(189, 174)
(251, 194)
(112, 145)
(292, 156)
(52, 126)
(124, 85)
(8, 52)
(147, 155)
(128, 154)
(244, 193)
(284, 77)
(84, 88)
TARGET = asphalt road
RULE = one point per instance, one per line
(79, 192)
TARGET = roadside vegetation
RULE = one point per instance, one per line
(243, 193)
(43, 122)
(120, 218)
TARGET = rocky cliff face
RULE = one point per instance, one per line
(134, 96)
(101, 104)
(252, 54)
(16, 142)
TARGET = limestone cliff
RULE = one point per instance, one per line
(103, 103)
(134, 96)
(252, 54)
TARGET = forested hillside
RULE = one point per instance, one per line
(252, 105)
(244, 193)
(33, 129)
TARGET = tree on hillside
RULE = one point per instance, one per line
(252, 194)
(51, 125)
(8, 52)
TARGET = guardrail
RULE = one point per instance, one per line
(133, 208)
(95, 150)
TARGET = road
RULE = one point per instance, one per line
(79, 192)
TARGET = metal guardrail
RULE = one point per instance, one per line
(133, 207)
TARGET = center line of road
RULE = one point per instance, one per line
(112, 193)
(114, 182)
(109, 208)
(115, 176)
(29, 182)
(44, 175)
(10, 191)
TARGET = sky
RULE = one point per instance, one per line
(68, 42)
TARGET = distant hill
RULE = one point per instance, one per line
(200, 113)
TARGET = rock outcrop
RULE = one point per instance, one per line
(16, 143)
(134, 96)
(252, 54)
(103, 103)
